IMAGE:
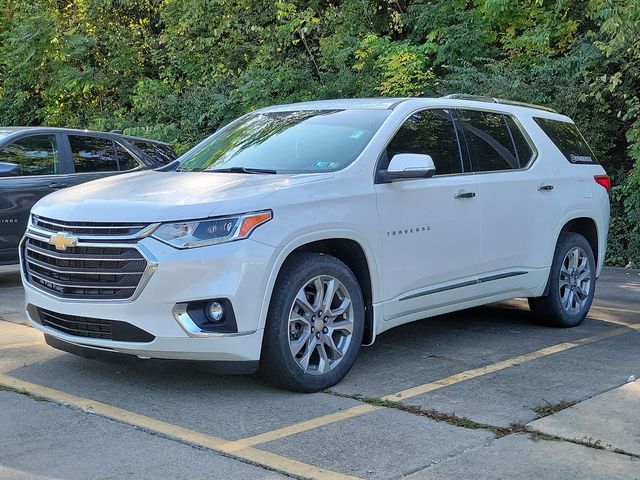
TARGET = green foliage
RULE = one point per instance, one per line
(177, 70)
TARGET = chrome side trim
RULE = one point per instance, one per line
(468, 283)
(191, 329)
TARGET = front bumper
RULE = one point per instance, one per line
(237, 271)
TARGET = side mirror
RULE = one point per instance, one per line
(405, 166)
(9, 169)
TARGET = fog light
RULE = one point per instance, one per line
(215, 311)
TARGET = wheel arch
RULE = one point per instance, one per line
(349, 249)
(588, 228)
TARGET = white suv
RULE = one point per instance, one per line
(298, 233)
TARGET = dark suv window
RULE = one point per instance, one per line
(524, 152)
(157, 151)
(489, 140)
(429, 132)
(34, 155)
(568, 139)
(126, 161)
(93, 154)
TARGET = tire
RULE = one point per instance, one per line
(292, 324)
(569, 275)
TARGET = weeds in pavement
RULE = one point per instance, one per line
(550, 408)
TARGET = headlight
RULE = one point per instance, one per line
(200, 233)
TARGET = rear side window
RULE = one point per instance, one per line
(568, 139)
(429, 132)
(93, 154)
(490, 141)
(34, 155)
(158, 152)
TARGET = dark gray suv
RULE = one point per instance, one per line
(35, 161)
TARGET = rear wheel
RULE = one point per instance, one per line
(315, 324)
(571, 286)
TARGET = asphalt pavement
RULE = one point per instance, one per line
(485, 393)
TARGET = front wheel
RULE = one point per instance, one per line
(572, 282)
(315, 324)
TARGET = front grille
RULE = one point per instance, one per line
(88, 228)
(93, 327)
(84, 272)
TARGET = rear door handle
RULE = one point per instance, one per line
(465, 195)
(545, 188)
(58, 185)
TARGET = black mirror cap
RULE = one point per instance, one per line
(385, 176)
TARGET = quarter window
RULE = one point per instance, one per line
(34, 155)
(568, 139)
(429, 132)
(489, 140)
(157, 151)
(93, 154)
(521, 145)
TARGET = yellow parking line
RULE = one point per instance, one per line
(412, 392)
(615, 309)
(252, 455)
(495, 367)
(300, 427)
(21, 345)
(609, 319)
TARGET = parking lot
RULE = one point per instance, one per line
(452, 397)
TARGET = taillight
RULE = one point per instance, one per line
(603, 180)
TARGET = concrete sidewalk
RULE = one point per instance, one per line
(610, 420)
(607, 427)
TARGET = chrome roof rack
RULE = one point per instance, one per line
(481, 98)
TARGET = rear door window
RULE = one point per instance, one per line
(489, 140)
(93, 154)
(429, 132)
(33, 155)
(568, 139)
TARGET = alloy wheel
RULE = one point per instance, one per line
(320, 324)
(575, 280)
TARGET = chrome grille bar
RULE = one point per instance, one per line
(95, 285)
(61, 256)
(90, 230)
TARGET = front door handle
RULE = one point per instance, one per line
(465, 195)
(545, 188)
(58, 185)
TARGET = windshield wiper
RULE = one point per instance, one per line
(243, 170)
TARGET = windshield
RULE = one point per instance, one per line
(287, 142)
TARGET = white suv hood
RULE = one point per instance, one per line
(163, 196)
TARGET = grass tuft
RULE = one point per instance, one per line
(547, 409)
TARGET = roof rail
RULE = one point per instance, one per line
(481, 98)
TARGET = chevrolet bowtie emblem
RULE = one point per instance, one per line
(63, 240)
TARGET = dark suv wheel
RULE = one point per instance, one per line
(572, 283)
(315, 324)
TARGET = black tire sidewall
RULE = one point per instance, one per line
(278, 365)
